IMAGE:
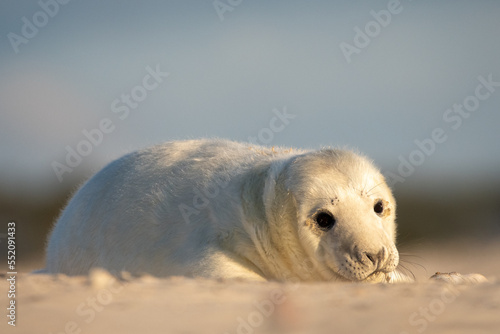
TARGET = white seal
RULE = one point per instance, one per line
(220, 209)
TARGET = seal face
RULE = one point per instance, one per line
(221, 209)
(345, 214)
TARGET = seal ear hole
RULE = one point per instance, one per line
(378, 207)
(325, 220)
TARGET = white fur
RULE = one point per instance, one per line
(221, 209)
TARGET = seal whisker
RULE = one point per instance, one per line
(405, 271)
(412, 263)
(368, 192)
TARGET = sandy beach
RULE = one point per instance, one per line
(100, 304)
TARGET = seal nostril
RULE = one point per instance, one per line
(370, 257)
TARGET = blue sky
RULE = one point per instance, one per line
(227, 76)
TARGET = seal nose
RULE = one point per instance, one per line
(378, 258)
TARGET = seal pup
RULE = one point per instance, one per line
(221, 209)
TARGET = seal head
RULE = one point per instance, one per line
(344, 214)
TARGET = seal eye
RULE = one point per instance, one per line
(325, 220)
(378, 207)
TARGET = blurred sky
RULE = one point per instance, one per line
(227, 75)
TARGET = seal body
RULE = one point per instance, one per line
(221, 209)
